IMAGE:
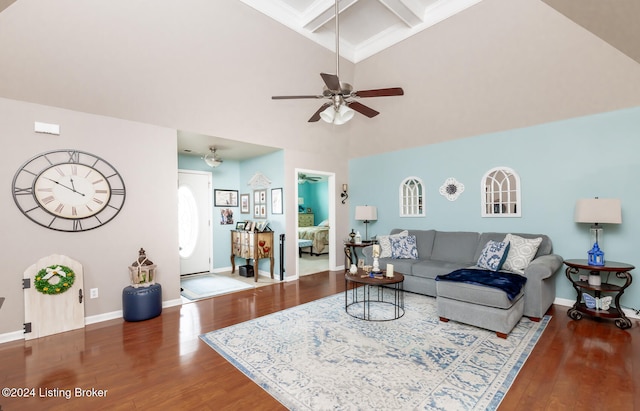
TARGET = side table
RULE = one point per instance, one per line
(351, 257)
(619, 270)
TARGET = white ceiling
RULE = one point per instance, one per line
(366, 27)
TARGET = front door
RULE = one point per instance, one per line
(194, 222)
(47, 313)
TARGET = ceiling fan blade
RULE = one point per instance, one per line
(292, 97)
(332, 81)
(362, 109)
(381, 92)
(316, 115)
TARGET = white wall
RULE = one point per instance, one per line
(144, 155)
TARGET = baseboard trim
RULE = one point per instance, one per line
(569, 303)
(113, 315)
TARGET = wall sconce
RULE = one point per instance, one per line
(344, 194)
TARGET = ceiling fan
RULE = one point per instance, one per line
(211, 158)
(342, 105)
(303, 178)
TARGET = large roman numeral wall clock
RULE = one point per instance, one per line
(68, 190)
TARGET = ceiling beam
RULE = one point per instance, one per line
(409, 15)
(320, 19)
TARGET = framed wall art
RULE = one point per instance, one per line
(260, 203)
(225, 198)
(245, 201)
(276, 201)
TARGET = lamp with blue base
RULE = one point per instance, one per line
(596, 256)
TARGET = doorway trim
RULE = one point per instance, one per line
(331, 195)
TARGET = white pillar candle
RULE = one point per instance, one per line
(389, 270)
(376, 250)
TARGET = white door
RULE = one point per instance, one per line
(194, 221)
(54, 313)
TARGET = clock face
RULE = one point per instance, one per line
(68, 190)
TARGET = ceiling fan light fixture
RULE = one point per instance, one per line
(343, 115)
(337, 116)
(211, 158)
(328, 114)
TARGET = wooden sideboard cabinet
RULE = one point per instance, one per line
(251, 246)
(305, 219)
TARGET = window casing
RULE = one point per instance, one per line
(500, 188)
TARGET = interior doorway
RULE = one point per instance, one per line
(315, 225)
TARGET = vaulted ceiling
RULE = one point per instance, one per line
(210, 66)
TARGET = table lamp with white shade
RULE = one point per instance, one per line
(366, 214)
(597, 211)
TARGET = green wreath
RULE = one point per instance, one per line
(65, 276)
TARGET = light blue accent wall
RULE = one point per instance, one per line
(558, 163)
(316, 197)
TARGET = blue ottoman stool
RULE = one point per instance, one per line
(303, 244)
(141, 303)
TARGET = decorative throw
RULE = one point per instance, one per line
(385, 243)
(521, 252)
(493, 255)
(508, 282)
(404, 247)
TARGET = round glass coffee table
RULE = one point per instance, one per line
(384, 294)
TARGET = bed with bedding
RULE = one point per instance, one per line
(319, 236)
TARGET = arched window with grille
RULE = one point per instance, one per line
(500, 188)
(412, 197)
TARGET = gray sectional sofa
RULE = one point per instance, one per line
(441, 252)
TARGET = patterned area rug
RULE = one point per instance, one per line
(195, 287)
(317, 357)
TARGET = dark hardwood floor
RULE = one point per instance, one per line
(161, 364)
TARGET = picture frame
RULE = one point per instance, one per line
(225, 198)
(260, 203)
(276, 201)
(226, 216)
(245, 203)
(262, 225)
(240, 225)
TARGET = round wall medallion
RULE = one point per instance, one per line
(451, 189)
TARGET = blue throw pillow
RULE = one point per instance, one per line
(404, 247)
(493, 255)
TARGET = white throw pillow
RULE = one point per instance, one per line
(521, 252)
(324, 223)
(385, 243)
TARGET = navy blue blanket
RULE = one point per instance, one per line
(508, 282)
